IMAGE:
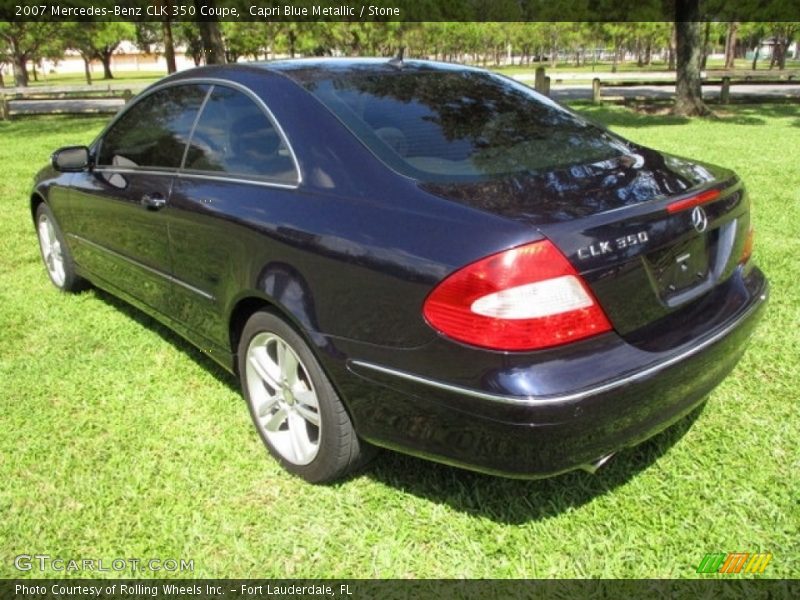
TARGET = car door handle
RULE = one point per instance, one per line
(153, 201)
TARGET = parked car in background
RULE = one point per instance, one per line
(413, 255)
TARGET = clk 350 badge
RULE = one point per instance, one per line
(608, 246)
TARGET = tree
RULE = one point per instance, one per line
(169, 42)
(783, 36)
(688, 90)
(243, 39)
(730, 45)
(213, 48)
(21, 42)
(108, 36)
(188, 34)
(754, 34)
(79, 38)
(97, 40)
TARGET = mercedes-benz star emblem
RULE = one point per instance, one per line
(699, 219)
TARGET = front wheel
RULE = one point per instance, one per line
(55, 254)
(294, 407)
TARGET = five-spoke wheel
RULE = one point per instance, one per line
(55, 254)
(51, 250)
(294, 407)
(283, 398)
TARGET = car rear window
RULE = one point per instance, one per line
(438, 125)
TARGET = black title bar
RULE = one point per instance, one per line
(393, 10)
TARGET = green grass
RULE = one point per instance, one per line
(117, 439)
(120, 78)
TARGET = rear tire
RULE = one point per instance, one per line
(55, 254)
(294, 407)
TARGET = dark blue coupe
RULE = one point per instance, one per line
(413, 255)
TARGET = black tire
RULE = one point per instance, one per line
(262, 349)
(66, 278)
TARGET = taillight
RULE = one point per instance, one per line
(691, 201)
(525, 298)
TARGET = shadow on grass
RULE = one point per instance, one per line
(515, 501)
(168, 335)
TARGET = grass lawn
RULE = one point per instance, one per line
(117, 439)
(137, 78)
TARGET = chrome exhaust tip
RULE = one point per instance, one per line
(594, 466)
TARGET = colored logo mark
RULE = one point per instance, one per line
(734, 562)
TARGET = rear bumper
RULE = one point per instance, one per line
(530, 436)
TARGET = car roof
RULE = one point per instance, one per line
(344, 64)
(303, 69)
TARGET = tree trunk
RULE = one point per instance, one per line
(639, 53)
(671, 52)
(706, 38)
(169, 46)
(33, 71)
(2, 82)
(730, 45)
(20, 71)
(86, 69)
(213, 48)
(755, 54)
(617, 56)
(105, 58)
(688, 91)
(779, 55)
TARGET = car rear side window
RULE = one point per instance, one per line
(234, 136)
(440, 125)
(154, 132)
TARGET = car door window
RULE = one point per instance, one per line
(154, 132)
(234, 136)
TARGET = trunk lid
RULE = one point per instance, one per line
(649, 265)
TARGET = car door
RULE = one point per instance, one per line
(238, 166)
(119, 208)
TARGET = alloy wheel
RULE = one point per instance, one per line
(283, 398)
(51, 250)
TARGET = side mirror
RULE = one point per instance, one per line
(70, 158)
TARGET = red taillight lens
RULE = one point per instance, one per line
(526, 298)
(702, 198)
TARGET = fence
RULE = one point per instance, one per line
(723, 79)
(68, 99)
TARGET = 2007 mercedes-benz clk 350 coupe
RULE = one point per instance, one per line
(413, 255)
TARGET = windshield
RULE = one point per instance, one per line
(437, 125)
